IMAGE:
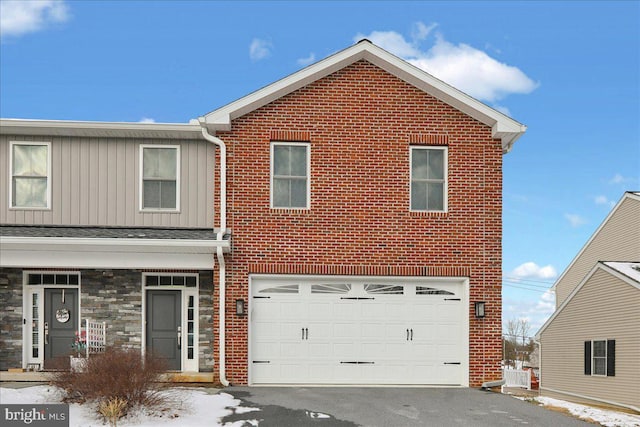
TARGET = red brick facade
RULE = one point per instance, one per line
(360, 123)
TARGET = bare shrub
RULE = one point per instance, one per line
(117, 373)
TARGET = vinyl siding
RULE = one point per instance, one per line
(96, 181)
(604, 308)
(617, 240)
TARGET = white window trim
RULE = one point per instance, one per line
(35, 208)
(445, 201)
(187, 365)
(271, 173)
(141, 180)
(606, 356)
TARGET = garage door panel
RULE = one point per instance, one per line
(346, 330)
(376, 330)
(448, 313)
(267, 330)
(397, 312)
(320, 311)
(343, 310)
(448, 332)
(324, 332)
(372, 350)
(291, 310)
(372, 310)
(293, 371)
(346, 351)
(266, 350)
(320, 350)
(263, 311)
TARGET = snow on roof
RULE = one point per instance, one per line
(629, 269)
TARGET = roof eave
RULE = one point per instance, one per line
(99, 129)
(503, 127)
(115, 244)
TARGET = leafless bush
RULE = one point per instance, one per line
(117, 373)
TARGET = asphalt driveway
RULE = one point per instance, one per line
(389, 407)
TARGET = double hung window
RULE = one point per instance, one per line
(429, 179)
(290, 175)
(160, 171)
(30, 175)
(600, 358)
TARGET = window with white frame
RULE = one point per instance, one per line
(160, 171)
(290, 175)
(428, 179)
(599, 357)
(30, 175)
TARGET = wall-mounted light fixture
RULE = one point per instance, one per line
(479, 306)
(240, 307)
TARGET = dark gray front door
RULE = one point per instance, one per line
(163, 326)
(61, 323)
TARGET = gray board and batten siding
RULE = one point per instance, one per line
(96, 181)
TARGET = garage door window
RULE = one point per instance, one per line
(384, 289)
(282, 289)
(330, 289)
(423, 290)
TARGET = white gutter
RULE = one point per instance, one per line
(220, 237)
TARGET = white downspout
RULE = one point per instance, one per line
(219, 238)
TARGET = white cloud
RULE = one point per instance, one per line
(18, 17)
(531, 270)
(260, 49)
(575, 220)
(619, 179)
(603, 200)
(535, 311)
(146, 120)
(420, 31)
(462, 66)
(308, 60)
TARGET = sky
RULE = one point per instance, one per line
(569, 71)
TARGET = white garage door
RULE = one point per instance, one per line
(314, 330)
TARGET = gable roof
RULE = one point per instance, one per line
(633, 195)
(628, 272)
(503, 127)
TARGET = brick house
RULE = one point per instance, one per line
(363, 198)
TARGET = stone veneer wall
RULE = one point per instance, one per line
(111, 296)
(10, 318)
(205, 339)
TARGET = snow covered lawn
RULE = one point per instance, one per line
(608, 418)
(190, 407)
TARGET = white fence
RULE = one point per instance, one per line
(96, 336)
(517, 378)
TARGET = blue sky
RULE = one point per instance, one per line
(568, 70)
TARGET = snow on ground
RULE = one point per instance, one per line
(190, 407)
(195, 408)
(605, 417)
